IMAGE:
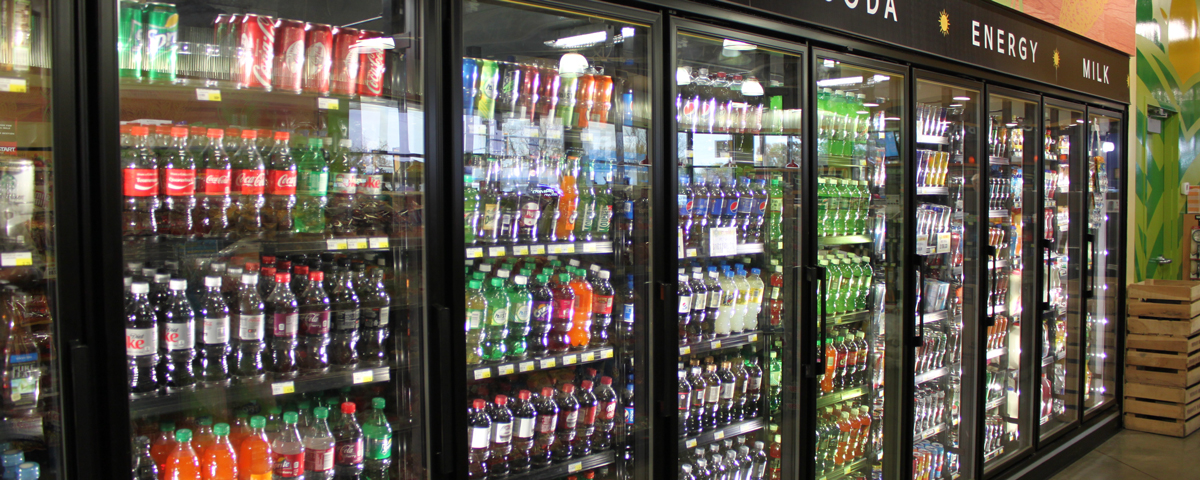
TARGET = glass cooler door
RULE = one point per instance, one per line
(272, 226)
(1103, 241)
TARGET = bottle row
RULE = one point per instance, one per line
(933, 406)
(939, 349)
(846, 433)
(849, 281)
(843, 207)
(848, 361)
(1005, 190)
(1006, 140)
(932, 168)
(724, 103)
(181, 183)
(717, 395)
(848, 122)
(740, 457)
(713, 306)
(178, 339)
(726, 200)
(571, 94)
(27, 349)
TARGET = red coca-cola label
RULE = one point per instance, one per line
(289, 466)
(249, 182)
(349, 452)
(178, 182)
(217, 182)
(281, 182)
(371, 68)
(255, 68)
(546, 423)
(141, 182)
(318, 460)
(315, 323)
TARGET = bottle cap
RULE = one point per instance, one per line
(568, 388)
(755, 271)
(314, 142)
(162, 129)
(183, 435)
(211, 281)
(473, 285)
(321, 412)
(547, 392)
(759, 445)
(604, 274)
(520, 280)
(249, 134)
(291, 417)
(317, 276)
(162, 277)
(166, 427)
(586, 384)
(606, 380)
(304, 405)
(283, 277)
(479, 404)
(215, 133)
(523, 395)
(28, 471)
(378, 403)
(501, 400)
(139, 288)
(348, 407)
(283, 136)
(12, 458)
(221, 429)
(250, 278)
(258, 421)
(179, 132)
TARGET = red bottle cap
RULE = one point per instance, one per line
(479, 404)
(283, 277)
(606, 380)
(348, 407)
(523, 395)
(139, 130)
(586, 384)
(249, 134)
(568, 388)
(547, 392)
(197, 130)
(283, 136)
(216, 133)
(501, 400)
(317, 276)
(127, 129)
(251, 266)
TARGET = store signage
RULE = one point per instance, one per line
(975, 32)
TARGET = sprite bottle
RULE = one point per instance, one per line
(377, 442)
(519, 309)
(311, 188)
(477, 307)
(496, 321)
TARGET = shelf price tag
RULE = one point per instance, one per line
(475, 253)
(16, 259)
(691, 252)
(567, 248)
(591, 247)
(685, 350)
(723, 242)
(574, 467)
(520, 250)
(716, 344)
(335, 244)
(570, 360)
(691, 443)
(496, 251)
(364, 376)
(588, 356)
(14, 85)
(525, 366)
(922, 244)
(507, 369)
(537, 249)
(208, 95)
(483, 373)
(283, 388)
(324, 103)
(753, 338)
(943, 243)
(548, 363)
(378, 242)
(719, 435)
(606, 353)
(357, 243)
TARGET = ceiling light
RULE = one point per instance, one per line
(881, 78)
(962, 99)
(572, 65)
(836, 82)
(1108, 146)
(870, 104)
(955, 105)
(736, 45)
(1010, 125)
(579, 41)
(627, 32)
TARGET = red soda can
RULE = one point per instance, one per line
(289, 55)
(318, 57)
(370, 65)
(548, 83)
(602, 98)
(256, 36)
(529, 92)
(344, 78)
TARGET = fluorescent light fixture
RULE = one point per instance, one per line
(1010, 125)
(683, 76)
(1108, 146)
(881, 78)
(627, 32)
(962, 99)
(751, 87)
(831, 63)
(862, 112)
(837, 82)
(385, 43)
(1079, 121)
(572, 65)
(578, 41)
(892, 119)
(955, 105)
(736, 45)
(870, 104)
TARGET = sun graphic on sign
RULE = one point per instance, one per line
(944, 23)
(1056, 58)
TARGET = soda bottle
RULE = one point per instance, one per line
(519, 311)
(545, 427)
(377, 440)
(314, 313)
(754, 299)
(343, 186)
(313, 185)
(283, 310)
(214, 177)
(204, 436)
(686, 392)
(581, 324)
(140, 186)
(568, 416)
(249, 183)
(214, 337)
(602, 227)
(288, 449)
(754, 376)
(540, 316)
(348, 445)
(477, 307)
(775, 318)
(729, 294)
(586, 425)
(480, 429)
(716, 201)
(177, 186)
(375, 313)
(318, 447)
(524, 418)
(277, 217)
(716, 293)
(496, 327)
(587, 200)
(569, 200)
(732, 204)
(370, 202)
(712, 397)
(219, 460)
(345, 311)
(177, 322)
(164, 443)
(758, 458)
(684, 309)
(774, 233)
(248, 322)
(698, 412)
(602, 308)
(746, 203)
(141, 341)
(695, 329)
(501, 436)
(559, 338)
(181, 463)
(470, 209)
(254, 456)
(144, 467)
(726, 404)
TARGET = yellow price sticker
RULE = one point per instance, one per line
(357, 243)
(548, 363)
(685, 350)
(691, 443)
(379, 242)
(570, 360)
(16, 259)
(365, 376)
(335, 244)
(525, 366)
(574, 467)
(324, 103)
(716, 344)
(283, 388)
(474, 253)
(14, 85)
(607, 353)
(520, 250)
(537, 249)
(589, 356)
(208, 95)
(506, 369)
(483, 373)
(496, 252)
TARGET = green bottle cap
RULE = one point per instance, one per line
(183, 435)
(291, 417)
(378, 403)
(166, 427)
(305, 404)
(321, 412)
(314, 142)
(258, 421)
(205, 421)
(473, 285)
(564, 278)
(221, 429)
(543, 278)
(276, 410)
(497, 282)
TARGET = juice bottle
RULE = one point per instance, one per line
(255, 460)
(163, 444)
(830, 366)
(182, 463)
(476, 309)
(776, 301)
(728, 299)
(563, 312)
(219, 460)
(581, 321)
(240, 428)
(287, 449)
(844, 429)
(204, 436)
(754, 299)
(569, 202)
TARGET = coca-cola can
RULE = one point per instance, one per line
(370, 64)
(318, 57)
(289, 55)
(256, 36)
(344, 80)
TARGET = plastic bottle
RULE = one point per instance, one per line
(375, 316)
(684, 310)
(348, 441)
(278, 213)
(249, 326)
(754, 299)
(214, 179)
(288, 449)
(480, 426)
(318, 447)
(140, 185)
(477, 307)
(568, 417)
(716, 292)
(495, 330)
(214, 334)
(728, 300)
(519, 312)
(694, 329)
(249, 185)
(144, 467)
(501, 437)
(345, 309)
(342, 189)
(569, 201)
(182, 463)
(177, 323)
(602, 309)
(255, 459)
(218, 461)
(313, 184)
(177, 186)
(562, 315)
(544, 428)
(586, 424)
(741, 303)
(377, 442)
(141, 341)
(240, 429)
(204, 435)
(524, 418)
(164, 444)
(283, 311)
(586, 208)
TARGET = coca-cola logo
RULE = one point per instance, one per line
(135, 343)
(285, 181)
(372, 181)
(316, 58)
(252, 178)
(220, 178)
(375, 72)
(171, 337)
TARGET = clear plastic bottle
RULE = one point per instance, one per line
(249, 328)
(283, 310)
(524, 417)
(348, 441)
(314, 325)
(344, 322)
(377, 440)
(288, 449)
(754, 299)
(177, 323)
(728, 301)
(249, 184)
(318, 447)
(741, 302)
(374, 314)
(141, 341)
(214, 334)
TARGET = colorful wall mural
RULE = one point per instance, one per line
(1106, 21)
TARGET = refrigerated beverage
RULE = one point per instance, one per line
(712, 311)
(161, 22)
(716, 202)
(606, 414)
(684, 311)
(480, 426)
(371, 64)
(283, 311)
(377, 442)
(176, 320)
(287, 449)
(699, 412)
(699, 213)
(712, 397)
(318, 58)
(344, 320)
(249, 185)
(214, 178)
(732, 200)
(471, 212)
(131, 39)
(182, 463)
(562, 315)
(219, 460)
(602, 308)
(288, 61)
(278, 211)
(519, 313)
(495, 330)
(737, 323)
(581, 321)
(319, 447)
(728, 410)
(248, 322)
(693, 326)
(586, 425)
(344, 76)
(256, 64)
(725, 312)
(140, 185)
(545, 427)
(568, 203)
(348, 445)
(500, 437)
(754, 299)
(566, 429)
(213, 340)
(477, 308)
(177, 186)
(314, 313)
(540, 316)
(685, 392)
(312, 187)
(523, 417)
(774, 231)
(254, 455)
(586, 208)
(141, 341)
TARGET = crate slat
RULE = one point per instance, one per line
(1177, 361)
(1161, 426)
(1159, 392)
(1157, 326)
(1164, 377)
(1178, 290)
(1163, 343)
(1163, 309)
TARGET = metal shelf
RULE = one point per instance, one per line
(718, 434)
(180, 248)
(933, 191)
(845, 471)
(742, 249)
(560, 470)
(998, 213)
(496, 251)
(995, 353)
(994, 404)
(849, 317)
(939, 428)
(545, 363)
(932, 375)
(729, 341)
(932, 140)
(838, 397)
(845, 240)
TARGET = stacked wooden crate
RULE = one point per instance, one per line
(1162, 357)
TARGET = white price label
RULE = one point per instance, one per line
(364, 376)
(496, 252)
(506, 369)
(691, 443)
(14, 85)
(474, 253)
(591, 247)
(208, 95)
(335, 244)
(548, 363)
(691, 252)
(483, 373)
(685, 350)
(719, 435)
(324, 103)
(16, 259)
(570, 360)
(283, 388)
(607, 353)
(537, 249)
(567, 248)
(379, 242)
(716, 344)
(358, 243)
(520, 250)
(525, 366)
(588, 356)
(574, 467)
(943, 243)
(722, 241)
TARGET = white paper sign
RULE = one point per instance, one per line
(722, 242)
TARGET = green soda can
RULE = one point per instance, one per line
(131, 39)
(162, 28)
(485, 99)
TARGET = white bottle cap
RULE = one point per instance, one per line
(249, 279)
(212, 281)
(604, 274)
(178, 284)
(140, 287)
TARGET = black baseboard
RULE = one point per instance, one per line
(1063, 452)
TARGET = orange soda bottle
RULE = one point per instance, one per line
(163, 444)
(203, 437)
(240, 429)
(567, 206)
(181, 463)
(219, 460)
(581, 322)
(830, 366)
(843, 424)
(254, 457)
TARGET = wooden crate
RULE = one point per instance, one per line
(1161, 425)
(1162, 357)
(1166, 377)
(1162, 410)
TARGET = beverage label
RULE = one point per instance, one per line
(700, 207)
(685, 206)
(285, 325)
(602, 305)
(24, 377)
(310, 183)
(746, 206)
(567, 419)
(318, 459)
(732, 207)
(289, 466)
(777, 205)
(564, 309)
(250, 327)
(379, 448)
(479, 437)
(348, 452)
(716, 206)
(370, 184)
(759, 205)
(179, 182)
(491, 217)
(281, 182)
(179, 336)
(603, 219)
(141, 342)
(727, 298)
(216, 330)
(345, 183)
(712, 393)
(775, 293)
(217, 182)
(685, 304)
(546, 423)
(529, 214)
(698, 302)
(502, 432)
(685, 401)
(374, 317)
(541, 312)
(345, 320)
(607, 410)
(727, 391)
(589, 415)
(313, 323)
(500, 316)
(249, 182)
(521, 314)
(141, 182)
(474, 319)
(628, 416)
(524, 428)
(756, 295)
(627, 313)
(760, 470)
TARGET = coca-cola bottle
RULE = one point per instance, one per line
(369, 206)
(177, 186)
(602, 309)
(561, 315)
(524, 418)
(176, 321)
(606, 415)
(348, 450)
(540, 317)
(343, 188)
(281, 189)
(283, 311)
(214, 179)
(545, 427)
(214, 334)
(568, 417)
(23, 369)
(586, 425)
(374, 313)
(314, 325)
(141, 341)
(249, 183)
(501, 437)
(249, 328)
(140, 185)
(344, 319)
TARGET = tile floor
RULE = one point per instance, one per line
(1134, 455)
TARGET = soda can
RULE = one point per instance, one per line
(371, 67)
(162, 29)
(221, 29)
(344, 80)
(602, 98)
(485, 100)
(529, 92)
(547, 102)
(131, 40)
(318, 57)
(470, 72)
(509, 89)
(289, 55)
(256, 61)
